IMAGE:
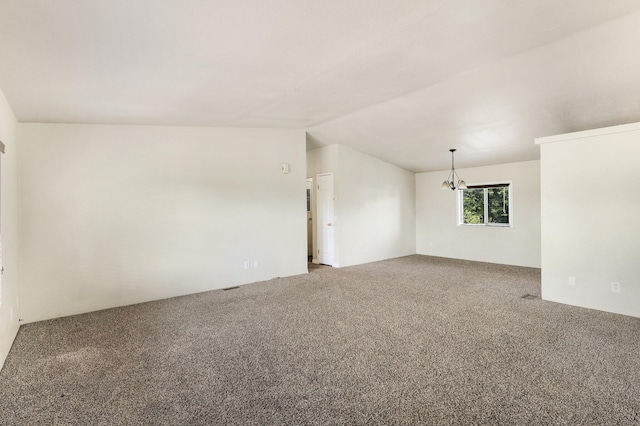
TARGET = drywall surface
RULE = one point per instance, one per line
(376, 209)
(438, 232)
(374, 205)
(115, 215)
(9, 229)
(590, 226)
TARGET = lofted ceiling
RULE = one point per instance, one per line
(401, 80)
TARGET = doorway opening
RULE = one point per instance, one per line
(325, 222)
(309, 220)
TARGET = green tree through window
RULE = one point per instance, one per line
(485, 205)
(473, 201)
(498, 199)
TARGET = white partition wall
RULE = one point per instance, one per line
(10, 228)
(590, 183)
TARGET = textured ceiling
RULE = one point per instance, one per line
(403, 81)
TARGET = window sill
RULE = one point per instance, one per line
(487, 225)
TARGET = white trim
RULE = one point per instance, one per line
(623, 128)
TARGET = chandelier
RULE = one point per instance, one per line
(453, 181)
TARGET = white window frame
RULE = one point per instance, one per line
(486, 186)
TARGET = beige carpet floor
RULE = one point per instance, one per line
(414, 340)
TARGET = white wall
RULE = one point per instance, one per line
(374, 205)
(590, 218)
(377, 210)
(437, 231)
(115, 215)
(10, 229)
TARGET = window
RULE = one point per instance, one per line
(485, 205)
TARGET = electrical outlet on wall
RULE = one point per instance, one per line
(247, 264)
(572, 281)
(615, 287)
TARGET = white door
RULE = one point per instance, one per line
(325, 219)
